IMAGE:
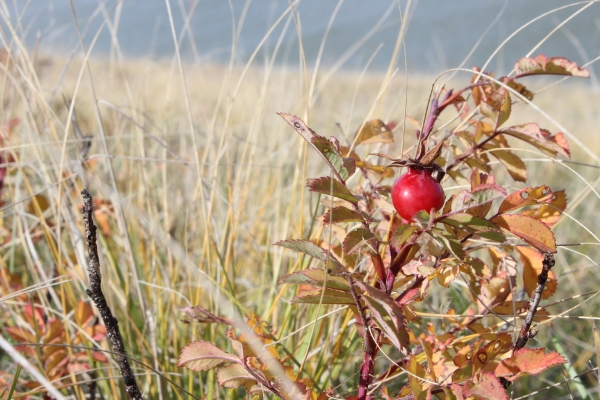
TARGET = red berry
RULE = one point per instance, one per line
(415, 191)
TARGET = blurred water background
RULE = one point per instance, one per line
(440, 34)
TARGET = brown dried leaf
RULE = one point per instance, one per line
(373, 131)
(203, 356)
(235, 375)
(532, 267)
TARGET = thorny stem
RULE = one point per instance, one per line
(95, 293)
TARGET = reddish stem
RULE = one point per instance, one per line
(366, 371)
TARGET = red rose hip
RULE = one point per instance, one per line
(415, 191)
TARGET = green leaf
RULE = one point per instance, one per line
(203, 356)
(312, 249)
(315, 277)
(469, 223)
(387, 314)
(235, 375)
(332, 187)
(331, 296)
(331, 154)
(341, 214)
(515, 166)
(540, 138)
(491, 235)
(355, 240)
(542, 65)
(402, 234)
(326, 148)
(529, 229)
(452, 245)
(374, 131)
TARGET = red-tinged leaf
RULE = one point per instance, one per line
(454, 392)
(84, 314)
(331, 187)
(341, 214)
(540, 138)
(515, 166)
(315, 278)
(532, 267)
(312, 249)
(551, 212)
(355, 240)
(519, 308)
(525, 197)
(235, 375)
(409, 297)
(542, 65)
(488, 387)
(527, 362)
(20, 335)
(418, 269)
(331, 296)
(529, 229)
(326, 149)
(204, 356)
(374, 131)
(34, 311)
(387, 314)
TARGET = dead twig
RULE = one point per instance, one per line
(95, 293)
(526, 331)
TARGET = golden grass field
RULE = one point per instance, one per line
(199, 178)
